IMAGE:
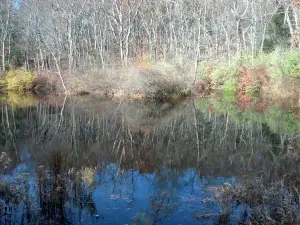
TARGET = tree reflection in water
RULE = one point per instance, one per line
(76, 161)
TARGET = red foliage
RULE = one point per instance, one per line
(244, 97)
(244, 79)
(244, 101)
(250, 76)
(247, 77)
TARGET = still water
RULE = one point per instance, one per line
(84, 160)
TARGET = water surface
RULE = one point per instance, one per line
(90, 161)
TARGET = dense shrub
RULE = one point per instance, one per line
(291, 64)
(248, 73)
(18, 80)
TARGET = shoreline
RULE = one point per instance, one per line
(274, 75)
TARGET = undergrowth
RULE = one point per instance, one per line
(19, 82)
(248, 73)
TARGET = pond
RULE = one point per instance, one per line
(84, 160)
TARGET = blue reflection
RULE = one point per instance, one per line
(167, 196)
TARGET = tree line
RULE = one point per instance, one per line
(70, 34)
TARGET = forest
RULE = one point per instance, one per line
(85, 38)
(98, 33)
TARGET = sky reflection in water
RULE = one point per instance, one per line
(130, 195)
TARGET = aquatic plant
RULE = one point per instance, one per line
(274, 204)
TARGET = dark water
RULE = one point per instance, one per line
(90, 161)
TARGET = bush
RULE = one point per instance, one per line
(230, 86)
(281, 63)
(18, 80)
(220, 75)
(259, 70)
(291, 64)
(42, 85)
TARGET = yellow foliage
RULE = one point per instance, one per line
(18, 80)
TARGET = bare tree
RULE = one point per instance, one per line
(92, 33)
(5, 22)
